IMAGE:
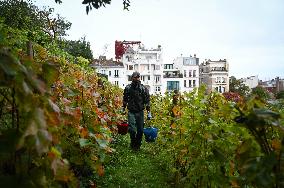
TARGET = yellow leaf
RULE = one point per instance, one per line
(276, 144)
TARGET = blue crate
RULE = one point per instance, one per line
(151, 134)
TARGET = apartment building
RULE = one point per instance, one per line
(114, 70)
(275, 85)
(182, 74)
(251, 81)
(215, 75)
(149, 63)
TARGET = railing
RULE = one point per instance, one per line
(223, 69)
(173, 75)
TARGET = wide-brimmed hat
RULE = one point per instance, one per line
(135, 74)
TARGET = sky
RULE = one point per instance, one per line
(248, 33)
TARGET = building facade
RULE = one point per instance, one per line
(215, 75)
(275, 85)
(149, 63)
(113, 70)
(182, 74)
(251, 81)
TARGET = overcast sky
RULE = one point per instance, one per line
(248, 33)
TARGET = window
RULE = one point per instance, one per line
(157, 79)
(189, 73)
(158, 88)
(109, 73)
(130, 67)
(184, 73)
(115, 73)
(189, 83)
(218, 80)
(168, 66)
(143, 78)
(148, 57)
(194, 73)
(129, 78)
(149, 77)
(193, 83)
(184, 83)
(189, 61)
(116, 83)
(172, 85)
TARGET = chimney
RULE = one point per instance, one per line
(101, 57)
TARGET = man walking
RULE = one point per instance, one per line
(136, 98)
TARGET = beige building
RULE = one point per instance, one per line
(215, 75)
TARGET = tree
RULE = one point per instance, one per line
(78, 48)
(54, 26)
(20, 14)
(260, 92)
(237, 86)
(99, 3)
(280, 95)
(24, 15)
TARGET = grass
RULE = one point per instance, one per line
(130, 169)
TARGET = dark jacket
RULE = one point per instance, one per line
(136, 97)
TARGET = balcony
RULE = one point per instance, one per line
(173, 75)
(218, 69)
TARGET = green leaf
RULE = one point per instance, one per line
(219, 154)
(50, 73)
(84, 142)
(265, 113)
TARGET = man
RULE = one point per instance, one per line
(136, 98)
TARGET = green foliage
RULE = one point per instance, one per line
(24, 133)
(58, 118)
(214, 142)
(260, 93)
(99, 3)
(237, 86)
(54, 26)
(64, 114)
(280, 95)
(78, 48)
(12, 37)
(41, 25)
(20, 14)
(263, 169)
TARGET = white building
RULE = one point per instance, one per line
(114, 70)
(215, 75)
(189, 67)
(251, 81)
(182, 74)
(149, 63)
